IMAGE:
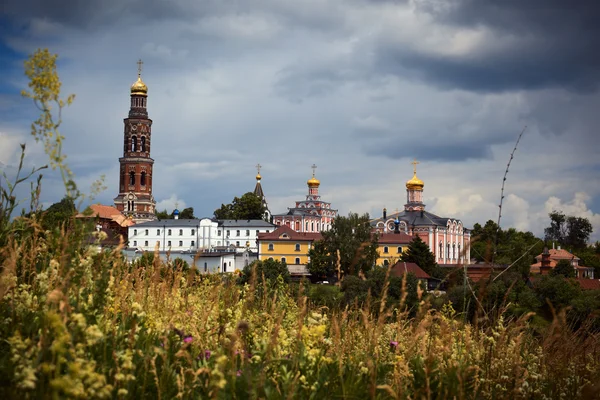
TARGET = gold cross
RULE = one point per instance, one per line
(314, 167)
(414, 163)
(258, 167)
(139, 63)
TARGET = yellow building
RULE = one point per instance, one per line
(286, 245)
(391, 246)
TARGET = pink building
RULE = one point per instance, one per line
(311, 214)
(447, 238)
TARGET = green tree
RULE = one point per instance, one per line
(572, 232)
(249, 206)
(563, 268)
(349, 237)
(58, 213)
(418, 252)
(163, 215)
(270, 269)
(187, 213)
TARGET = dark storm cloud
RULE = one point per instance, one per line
(559, 46)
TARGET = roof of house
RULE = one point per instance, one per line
(588, 284)
(107, 212)
(401, 267)
(286, 233)
(416, 218)
(243, 223)
(394, 238)
(171, 223)
(558, 254)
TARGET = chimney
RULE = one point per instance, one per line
(545, 264)
(558, 247)
(384, 213)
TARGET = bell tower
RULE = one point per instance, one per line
(135, 198)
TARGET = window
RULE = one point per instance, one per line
(257, 232)
(297, 246)
(237, 233)
(133, 143)
(135, 231)
(193, 243)
(386, 262)
(169, 232)
(271, 258)
(135, 243)
(146, 232)
(143, 143)
(131, 178)
(271, 247)
(267, 231)
(448, 250)
(169, 243)
(158, 232)
(247, 233)
(143, 179)
(282, 259)
(146, 243)
(193, 231)
(181, 243)
(237, 244)
(227, 232)
(385, 249)
(218, 233)
(399, 249)
(297, 260)
(181, 232)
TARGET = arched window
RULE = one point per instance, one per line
(283, 259)
(459, 255)
(131, 178)
(169, 232)
(143, 179)
(297, 246)
(399, 249)
(385, 249)
(448, 250)
(386, 262)
(297, 260)
(454, 250)
(143, 143)
(133, 143)
(271, 247)
(441, 252)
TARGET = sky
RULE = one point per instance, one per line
(360, 88)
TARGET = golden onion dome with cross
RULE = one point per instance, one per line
(313, 182)
(139, 87)
(414, 182)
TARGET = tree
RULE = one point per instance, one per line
(563, 268)
(270, 269)
(58, 213)
(418, 252)
(249, 206)
(351, 238)
(570, 231)
(187, 213)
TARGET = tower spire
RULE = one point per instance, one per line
(139, 64)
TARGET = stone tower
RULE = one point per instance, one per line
(135, 198)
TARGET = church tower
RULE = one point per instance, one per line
(135, 198)
(414, 192)
(258, 191)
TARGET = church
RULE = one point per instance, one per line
(447, 238)
(311, 214)
(135, 198)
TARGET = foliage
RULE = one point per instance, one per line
(572, 232)
(249, 206)
(418, 252)
(563, 268)
(58, 214)
(270, 270)
(349, 244)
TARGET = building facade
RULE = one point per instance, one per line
(391, 246)
(135, 198)
(286, 245)
(310, 215)
(447, 238)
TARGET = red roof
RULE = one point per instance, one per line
(284, 232)
(558, 254)
(394, 238)
(401, 268)
(588, 284)
(107, 212)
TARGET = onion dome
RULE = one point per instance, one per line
(415, 183)
(139, 88)
(258, 177)
(313, 182)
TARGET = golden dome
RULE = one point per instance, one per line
(313, 182)
(258, 177)
(139, 87)
(415, 183)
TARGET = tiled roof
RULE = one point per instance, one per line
(394, 238)
(107, 212)
(416, 218)
(292, 234)
(401, 267)
(559, 254)
(169, 222)
(589, 284)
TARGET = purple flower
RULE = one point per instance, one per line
(207, 354)
(393, 344)
(188, 339)
(239, 373)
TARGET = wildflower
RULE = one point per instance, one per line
(188, 339)
(239, 372)
(207, 354)
(393, 345)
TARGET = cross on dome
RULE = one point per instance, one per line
(414, 163)
(258, 167)
(140, 63)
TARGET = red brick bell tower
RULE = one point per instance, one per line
(135, 198)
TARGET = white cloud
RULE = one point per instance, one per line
(171, 203)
